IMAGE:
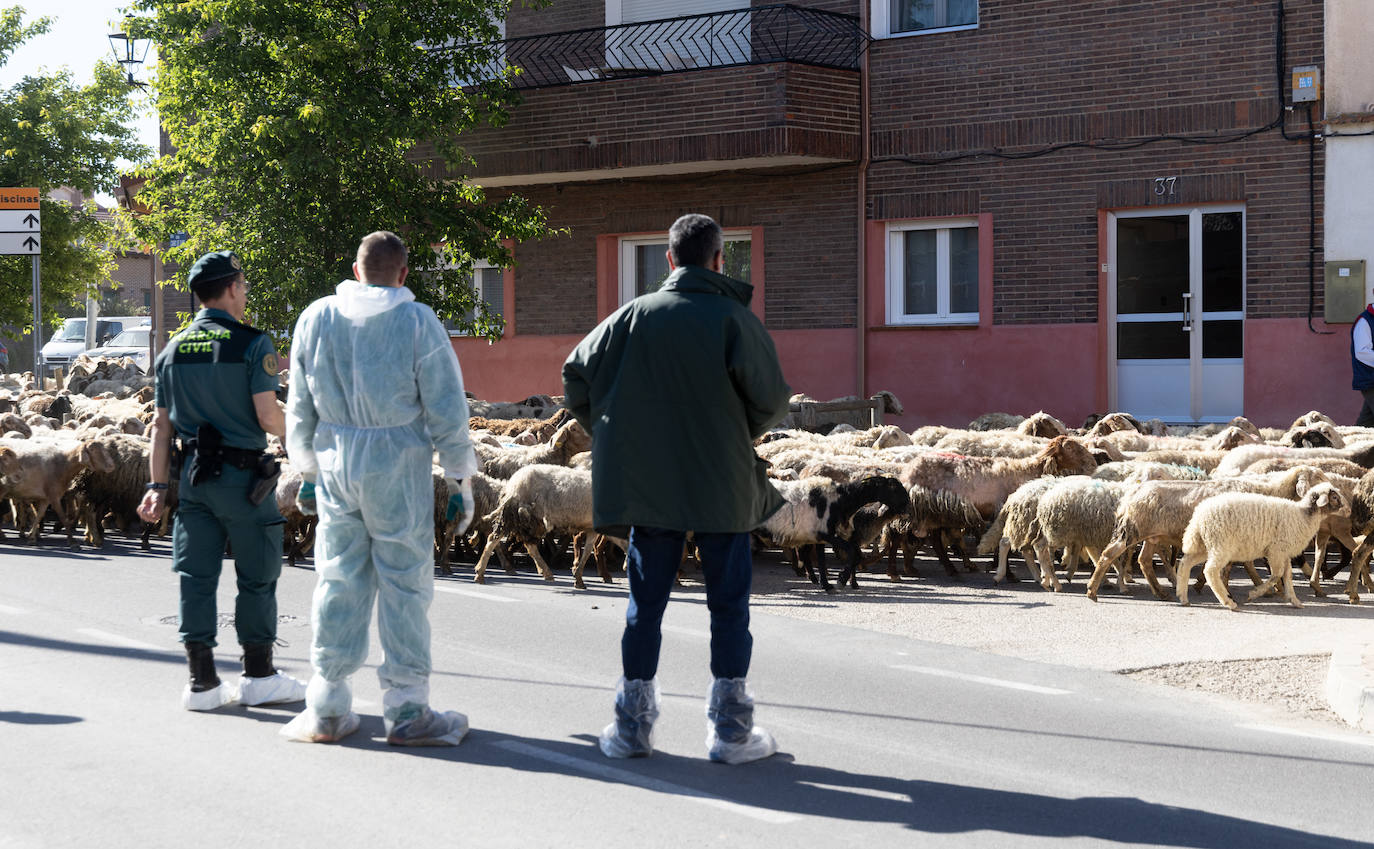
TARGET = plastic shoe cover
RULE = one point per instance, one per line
(636, 709)
(329, 698)
(759, 745)
(216, 697)
(272, 690)
(418, 725)
(310, 727)
(731, 735)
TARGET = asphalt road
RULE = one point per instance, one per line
(885, 740)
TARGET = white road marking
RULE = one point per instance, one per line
(979, 679)
(862, 791)
(654, 784)
(13, 611)
(116, 639)
(485, 596)
(686, 632)
(1314, 735)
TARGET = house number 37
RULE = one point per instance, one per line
(1165, 187)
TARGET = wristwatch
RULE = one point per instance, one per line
(155, 485)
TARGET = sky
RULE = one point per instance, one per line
(78, 39)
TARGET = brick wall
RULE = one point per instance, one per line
(808, 221)
(1038, 73)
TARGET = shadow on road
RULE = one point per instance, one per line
(19, 717)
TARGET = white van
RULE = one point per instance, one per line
(69, 342)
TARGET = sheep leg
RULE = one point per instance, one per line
(1347, 546)
(818, 551)
(480, 573)
(1287, 578)
(848, 553)
(937, 540)
(1185, 574)
(1071, 558)
(1215, 572)
(1048, 579)
(1147, 568)
(588, 544)
(794, 560)
(539, 561)
(1003, 549)
(1100, 567)
(1032, 566)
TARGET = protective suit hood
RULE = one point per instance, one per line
(359, 301)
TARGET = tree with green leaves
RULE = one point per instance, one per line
(299, 126)
(55, 132)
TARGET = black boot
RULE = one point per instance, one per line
(201, 658)
(257, 661)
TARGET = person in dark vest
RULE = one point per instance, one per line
(1362, 363)
(216, 392)
(674, 387)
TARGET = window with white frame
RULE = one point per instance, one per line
(489, 285)
(911, 17)
(932, 272)
(644, 262)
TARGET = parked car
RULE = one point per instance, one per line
(132, 343)
(69, 342)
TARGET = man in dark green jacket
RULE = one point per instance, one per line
(674, 387)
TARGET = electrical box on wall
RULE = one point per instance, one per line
(1345, 294)
(1307, 84)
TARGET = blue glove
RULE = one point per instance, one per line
(460, 506)
(305, 499)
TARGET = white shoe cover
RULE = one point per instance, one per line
(426, 727)
(208, 699)
(631, 735)
(759, 746)
(273, 690)
(310, 727)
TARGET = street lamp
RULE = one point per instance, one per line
(129, 51)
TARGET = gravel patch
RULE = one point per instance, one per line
(1296, 685)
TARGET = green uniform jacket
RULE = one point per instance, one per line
(674, 387)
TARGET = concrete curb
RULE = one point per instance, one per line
(1350, 685)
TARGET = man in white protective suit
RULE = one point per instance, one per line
(375, 389)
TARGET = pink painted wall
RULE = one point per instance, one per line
(950, 376)
(514, 368)
(1289, 370)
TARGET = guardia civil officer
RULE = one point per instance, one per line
(216, 393)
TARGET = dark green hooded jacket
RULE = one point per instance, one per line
(674, 387)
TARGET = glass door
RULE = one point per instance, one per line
(1177, 300)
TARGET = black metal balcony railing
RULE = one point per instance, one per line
(781, 33)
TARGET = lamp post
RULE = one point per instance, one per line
(129, 51)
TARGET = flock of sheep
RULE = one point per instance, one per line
(1115, 494)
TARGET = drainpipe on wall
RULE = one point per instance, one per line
(861, 317)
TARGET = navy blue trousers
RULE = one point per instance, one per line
(652, 562)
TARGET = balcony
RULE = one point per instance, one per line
(762, 87)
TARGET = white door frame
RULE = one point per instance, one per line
(1195, 370)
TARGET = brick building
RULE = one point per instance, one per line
(991, 205)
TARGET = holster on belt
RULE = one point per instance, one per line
(207, 454)
(265, 474)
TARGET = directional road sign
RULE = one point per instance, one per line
(20, 243)
(19, 220)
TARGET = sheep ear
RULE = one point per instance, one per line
(1302, 485)
(1323, 499)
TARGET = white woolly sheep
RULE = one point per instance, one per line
(1242, 526)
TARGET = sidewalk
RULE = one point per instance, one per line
(1350, 684)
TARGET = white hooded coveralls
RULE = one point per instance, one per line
(375, 388)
